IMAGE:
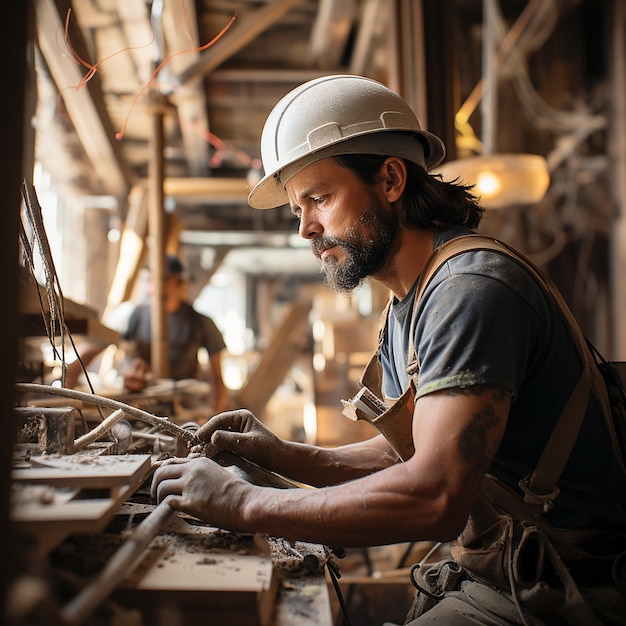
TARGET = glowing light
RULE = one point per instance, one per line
(487, 184)
(501, 180)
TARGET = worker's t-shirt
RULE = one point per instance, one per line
(484, 321)
(187, 332)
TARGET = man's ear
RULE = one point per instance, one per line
(394, 176)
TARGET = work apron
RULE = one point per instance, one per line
(506, 543)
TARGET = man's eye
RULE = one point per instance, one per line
(318, 200)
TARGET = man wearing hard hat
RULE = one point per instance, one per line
(494, 425)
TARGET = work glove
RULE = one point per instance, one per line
(202, 488)
(242, 433)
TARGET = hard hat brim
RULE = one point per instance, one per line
(270, 193)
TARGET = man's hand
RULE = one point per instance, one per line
(137, 376)
(242, 433)
(202, 488)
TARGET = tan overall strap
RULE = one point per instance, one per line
(541, 485)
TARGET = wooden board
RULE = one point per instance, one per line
(185, 573)
(81, 319)
(82, 471)
(286, 345)
(73, 494)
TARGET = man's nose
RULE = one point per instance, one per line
(309, 227)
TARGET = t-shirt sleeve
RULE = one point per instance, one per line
(133, 323)
(213, 340)
(476, 328)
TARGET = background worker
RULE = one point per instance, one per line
(188, 331)
(496, 364)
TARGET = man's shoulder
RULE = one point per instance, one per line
(198, 318)
(499, 264)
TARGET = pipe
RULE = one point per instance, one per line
(99, 430)
(91, 398)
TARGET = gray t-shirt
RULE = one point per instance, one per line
(484, 321)
(187, 331)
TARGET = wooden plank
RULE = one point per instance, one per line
(65, 509)
(80, 471)
(80, 318)
(286, 345)
(185, 572)
(71, 514)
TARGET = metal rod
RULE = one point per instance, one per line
(506, 47)
(118, 568)
(489, 102)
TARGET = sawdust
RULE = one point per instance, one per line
(85, 555)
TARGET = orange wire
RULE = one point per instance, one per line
(120, 134)
(93, 68)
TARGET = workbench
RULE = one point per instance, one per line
(80, 511)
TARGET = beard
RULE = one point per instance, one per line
(366, 246)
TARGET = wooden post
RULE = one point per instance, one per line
(156, 230)
(617, 351)
(14, 123)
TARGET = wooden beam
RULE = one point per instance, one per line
(370, 22)
(242, 32)
(618, 160)
(131, 251)
(208, 190)
(330, 32)
(159, 344)
(89, 116)
(285, 347)
(180, 28)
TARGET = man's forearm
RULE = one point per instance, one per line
(316, 466)
(374, 510)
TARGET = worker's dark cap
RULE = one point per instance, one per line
(173, 265)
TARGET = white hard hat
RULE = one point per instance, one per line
(332, 115)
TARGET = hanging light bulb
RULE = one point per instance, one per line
(487, 184)
(501, 180)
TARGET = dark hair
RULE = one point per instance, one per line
(427, 200)
(173, 264)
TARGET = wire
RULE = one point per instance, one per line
(56, 301)
(334, 579)
(432, 551)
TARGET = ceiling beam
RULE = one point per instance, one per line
(330, 32)
(85, 105)
(371, 17)
(180, 27)
(242, 32)
(210, 190)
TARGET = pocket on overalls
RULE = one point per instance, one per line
(484, 547)
(396, 422)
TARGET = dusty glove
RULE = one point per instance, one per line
(242, 433)
(200, 487)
